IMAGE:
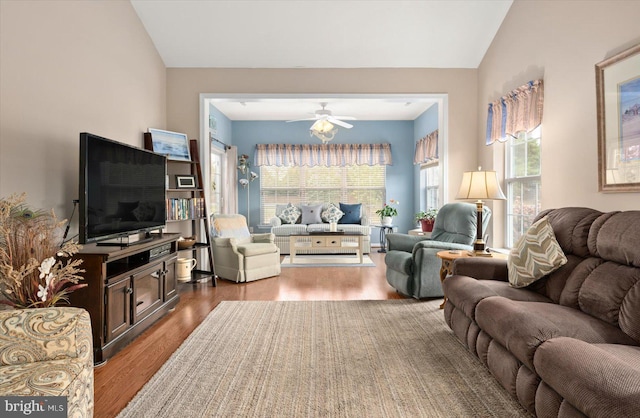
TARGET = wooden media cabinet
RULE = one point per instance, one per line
(129, 288)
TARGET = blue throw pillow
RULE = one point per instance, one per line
(352, 213)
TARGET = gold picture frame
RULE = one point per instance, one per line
(618, 106)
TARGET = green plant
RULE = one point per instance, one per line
(35, 270)
(388, 210)
(426, 215)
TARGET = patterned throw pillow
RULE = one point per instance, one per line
(311, 214)
(331, 214)
(290, 214)
(536, 254)
(352, 213)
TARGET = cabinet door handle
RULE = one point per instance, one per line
(139, 303)
(128, 290)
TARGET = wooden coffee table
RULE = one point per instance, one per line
(449, 257)
(325, 241)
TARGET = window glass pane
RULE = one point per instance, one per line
(533, 157)
(429, 186)
(304, 185)
(523, 183)
(215, 193)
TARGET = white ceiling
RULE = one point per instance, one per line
(377, 107)
(321, 34)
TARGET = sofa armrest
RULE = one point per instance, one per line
(226, 242)
(266, 238)
(483, 268)
(45, 334)
(441, 245)
(364, 220)
(275, 221)
(403, 242)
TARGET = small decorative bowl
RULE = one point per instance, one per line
(186, 243)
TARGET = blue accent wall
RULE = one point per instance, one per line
(400, 175)
(424, 124)
(224, 127)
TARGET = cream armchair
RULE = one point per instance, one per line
(240, 256)
(48, 352)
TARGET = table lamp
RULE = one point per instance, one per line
(480, 185)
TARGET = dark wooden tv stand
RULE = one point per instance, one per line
(129, 288)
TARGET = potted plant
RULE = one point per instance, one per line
(427, 218)
(388, 212)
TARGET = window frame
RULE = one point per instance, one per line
(512, 180)
(429, 190)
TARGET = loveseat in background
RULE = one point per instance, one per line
(567, 345)
(48, 352)
(282, 231)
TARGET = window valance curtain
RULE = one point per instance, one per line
(426, 148)
(520, 110)
(322, 154)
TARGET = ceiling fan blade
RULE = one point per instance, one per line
(299, 120)
(340, 123)
(344, 117)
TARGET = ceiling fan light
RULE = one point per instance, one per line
(322, 126)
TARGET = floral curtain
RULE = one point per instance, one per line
(322, 154)
(520, 110)
(426, 148)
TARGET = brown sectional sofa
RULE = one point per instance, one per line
(567, 345)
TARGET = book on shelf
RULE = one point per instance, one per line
(179, 209)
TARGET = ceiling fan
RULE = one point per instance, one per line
(324, 120)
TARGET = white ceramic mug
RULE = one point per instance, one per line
(184, 267)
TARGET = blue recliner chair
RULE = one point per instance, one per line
(413, 268)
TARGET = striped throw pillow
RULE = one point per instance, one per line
(536, 254)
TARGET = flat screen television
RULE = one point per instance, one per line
(122, 190)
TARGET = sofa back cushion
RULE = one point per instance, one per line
(571, 228)
(456, 223)
(602, 274)
(611, 291)
(229, 226)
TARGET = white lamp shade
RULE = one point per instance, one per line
(480, 185)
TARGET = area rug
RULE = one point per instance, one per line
(328, 260)
(392, 358)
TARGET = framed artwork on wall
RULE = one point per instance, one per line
(618, 104)
(173, 145)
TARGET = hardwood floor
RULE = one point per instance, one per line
(117, 381)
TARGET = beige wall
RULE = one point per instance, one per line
(185, 85)
(560, 41)
(68, 67)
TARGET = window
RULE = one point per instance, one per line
(430, 185)
(522, 182)
(216, 170)
(301, 185)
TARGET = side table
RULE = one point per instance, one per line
(384, 229)
(419, 232)
(448, 258)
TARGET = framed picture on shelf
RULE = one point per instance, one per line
(173, 145)
(618, 103)
(185, 181)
